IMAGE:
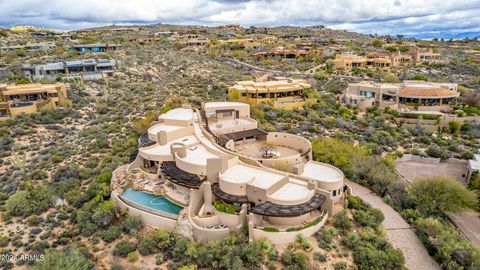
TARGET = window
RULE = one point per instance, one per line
(334, 193)
(230, 113)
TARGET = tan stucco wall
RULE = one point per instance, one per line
(293, 221)
(238, 189)
(290, 140)
(16, 111)
(280, 238)
(190, 167)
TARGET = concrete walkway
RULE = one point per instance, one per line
(398, 231)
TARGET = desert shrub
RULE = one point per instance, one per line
(147, 246)
(372, 251)
(357, 203)
(225, 207)
(370, 218)
(132, 224)
(439, 195)
(32, 200)
(111, 234)
(340, 266)
(325, 237)
(295, 260)
(320, 257)
(342, 221)
(437, 152)
(450, 248)
(132, 256)
(123, 248)
(34, 220)
(71, 257)
(4, 241)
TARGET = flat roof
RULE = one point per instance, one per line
(165, 149)
(178, 114)
(291, 192)
(322, 172)
(163, 127)
(210, 105)
(198, 155)
(242, 174)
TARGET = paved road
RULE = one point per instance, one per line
(469, 224)
(398, 231)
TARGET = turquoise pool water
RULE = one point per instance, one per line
(152, 201)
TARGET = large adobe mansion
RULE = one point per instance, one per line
(17, 99)
(280, 92)
(412, 95)
(210, 172)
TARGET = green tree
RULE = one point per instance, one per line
(439, 195)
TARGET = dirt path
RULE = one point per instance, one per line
(398, 231)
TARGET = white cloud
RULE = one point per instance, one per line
(368, 16)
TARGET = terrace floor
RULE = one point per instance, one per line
(414, 170)
(253, 149)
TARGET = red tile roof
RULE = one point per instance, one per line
(427, 92)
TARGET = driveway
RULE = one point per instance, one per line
(414, 170)
(469, 224)
(398, 231)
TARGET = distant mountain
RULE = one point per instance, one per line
(445, 35)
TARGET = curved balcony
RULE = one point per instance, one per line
(180, 177)
(145, 141)
(271, 209)
(228, 197)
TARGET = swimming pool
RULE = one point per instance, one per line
(151, 201)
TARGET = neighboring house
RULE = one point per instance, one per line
(94, 48)
(254, 46)
(429, 57)
(296, 36)
(143, 39)
(121, 30)
(280, 92)
(165, 34)
(473, 166)
(29, 98)
(349, 61)
(195, 161)
(331, 51)
(413, 95)
(190, 40)
(87, 69)
(381, 60)
(285, 53)
(41, 46)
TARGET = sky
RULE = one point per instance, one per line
(432, 18)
